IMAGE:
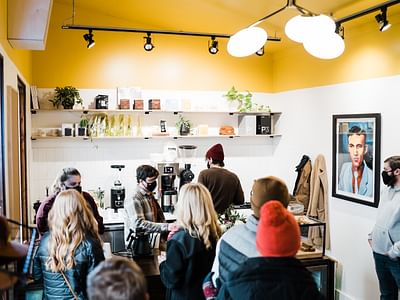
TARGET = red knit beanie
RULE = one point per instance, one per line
(216, 152)
(278, 234)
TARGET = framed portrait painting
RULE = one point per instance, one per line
(356, 158)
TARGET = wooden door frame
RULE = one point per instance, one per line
(3, 201)
(23, 155)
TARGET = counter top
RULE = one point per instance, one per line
(110, 217)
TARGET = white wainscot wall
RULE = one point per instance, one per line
(306, 127)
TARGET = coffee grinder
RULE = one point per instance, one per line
(186, 153)
(168, 191)
(117, 191)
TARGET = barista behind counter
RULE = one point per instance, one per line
(142, 210)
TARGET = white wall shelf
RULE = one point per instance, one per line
(44, 120)
(175, 137)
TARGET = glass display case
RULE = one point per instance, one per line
(313, 234)
(323, 272)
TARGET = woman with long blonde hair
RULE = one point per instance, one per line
(69, 250)
(191, 250)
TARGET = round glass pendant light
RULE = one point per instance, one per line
(247, 41)
(298, 27)
(321, 25)
(328, 46)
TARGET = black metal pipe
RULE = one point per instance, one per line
(367, 11)
(153, 31)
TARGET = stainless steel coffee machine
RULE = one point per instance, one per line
(117, 191)
(167, 183)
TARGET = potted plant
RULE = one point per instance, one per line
(244, 100)
(83, 126)
(230, 217)
(67, 97)
(183, 125)
(100, 197)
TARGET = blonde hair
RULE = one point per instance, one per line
(70, 221)
(195, 213)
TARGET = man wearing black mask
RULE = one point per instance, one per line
(69, 178)
(385, 236)
(142, 210)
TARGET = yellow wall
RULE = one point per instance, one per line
(369, 53)
(118, 59)
(21, 58)
(177, 62)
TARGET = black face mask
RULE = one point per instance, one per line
(151, 186)
(208, 165)
(388, 179)
(77, 188)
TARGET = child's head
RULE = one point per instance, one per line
(278, 233)
(117, 278)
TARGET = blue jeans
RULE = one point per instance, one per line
(388, 272)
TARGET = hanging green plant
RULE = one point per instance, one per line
(244, 100)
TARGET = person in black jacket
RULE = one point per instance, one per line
(191, 250)
(277, 274)
(70, 250)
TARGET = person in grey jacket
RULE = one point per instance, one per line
(239, 242)
(385, 236)
(70, 250)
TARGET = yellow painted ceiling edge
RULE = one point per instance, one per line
(118, 59)
(21, 58)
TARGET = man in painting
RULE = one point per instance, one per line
(355, 176)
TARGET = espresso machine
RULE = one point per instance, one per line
(166, 182)
(117, 191)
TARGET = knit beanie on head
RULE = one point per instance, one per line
(216, 152)
(278, 234)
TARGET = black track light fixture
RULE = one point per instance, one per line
(89, 39)
(382, 20)
(260, 52)
(148, 46)
(213, 46)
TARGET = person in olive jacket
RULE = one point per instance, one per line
(277, 274)
(191, 250)
(70, 250)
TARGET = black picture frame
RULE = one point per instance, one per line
(349, 132)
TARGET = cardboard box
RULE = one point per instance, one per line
(247, 125)
(154, 104)
(138, 104)
(124, 104)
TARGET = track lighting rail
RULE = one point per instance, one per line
(367, 11)
(152, 31)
